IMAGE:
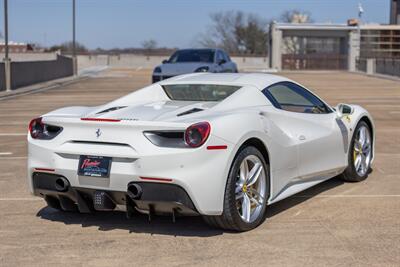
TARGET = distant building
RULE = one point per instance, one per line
(308, 46)
(395, 12)
(380, 41)
(14, 47)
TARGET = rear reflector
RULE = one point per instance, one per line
(156, 179)
(100, 119)
(44, 170)
(217, 147)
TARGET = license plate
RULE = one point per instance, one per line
(94, 166)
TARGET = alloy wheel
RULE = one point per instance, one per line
(362, 151)
(250, 190)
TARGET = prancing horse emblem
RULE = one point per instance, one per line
(98, 133)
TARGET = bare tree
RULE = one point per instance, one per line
(222, 31)
(236, 32)
(68, 46)
(149, 44)
(252, 36)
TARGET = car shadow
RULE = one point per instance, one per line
(163, 225)
(139, 223)
(303, 196)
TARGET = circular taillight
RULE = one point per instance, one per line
(197, 134)
(36, 127)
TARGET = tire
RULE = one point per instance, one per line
(353, 173)
(253, 193)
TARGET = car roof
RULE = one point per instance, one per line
(186, 49)
(258, 80)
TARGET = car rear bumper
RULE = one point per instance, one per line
(200, 172)
(155, 198)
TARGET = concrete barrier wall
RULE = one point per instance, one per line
(31, 72)
(149, 62)
(20, 57)
(136, 61)
(251, 63)
(2, 77)
(88, 61)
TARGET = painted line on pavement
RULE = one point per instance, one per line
(13, 134)
(13, 123)
(12, 158)
(5, 153)
(20, 199)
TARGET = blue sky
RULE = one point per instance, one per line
(173, 23)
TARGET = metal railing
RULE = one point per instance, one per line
(385, 66)
(388, 66)
(314, 62)
(361, 64)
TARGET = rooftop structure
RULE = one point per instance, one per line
(394, 11)
(330, 46)
(15, 47)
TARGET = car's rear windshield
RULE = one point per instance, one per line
(199, 92)
(192, 55)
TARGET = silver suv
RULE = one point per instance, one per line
(194, 60)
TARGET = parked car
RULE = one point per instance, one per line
(194, 60)
(223, 146)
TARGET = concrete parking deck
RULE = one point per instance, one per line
(334, 223)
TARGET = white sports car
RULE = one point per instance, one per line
(223, 146)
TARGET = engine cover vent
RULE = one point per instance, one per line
(190, 111)
(110, 109)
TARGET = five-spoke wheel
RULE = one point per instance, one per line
(250, 188)
(362, 150)
(360, 154)
(246, 192)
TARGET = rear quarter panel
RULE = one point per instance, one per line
(238, 127)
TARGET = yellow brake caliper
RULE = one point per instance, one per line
(354, 154)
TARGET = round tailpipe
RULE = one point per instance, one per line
(61, 184)
(134, 191)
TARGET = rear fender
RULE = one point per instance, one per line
(237, 128)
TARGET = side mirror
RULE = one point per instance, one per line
(165, 61)
(344, 109)
(222, 61)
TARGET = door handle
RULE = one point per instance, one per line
(302, 138)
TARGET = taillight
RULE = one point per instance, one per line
(197, 134)
(39, 130)
(36, 127)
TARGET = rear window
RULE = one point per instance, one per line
(199, 92)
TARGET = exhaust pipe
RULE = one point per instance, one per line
(134, 191)
(62, 184)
